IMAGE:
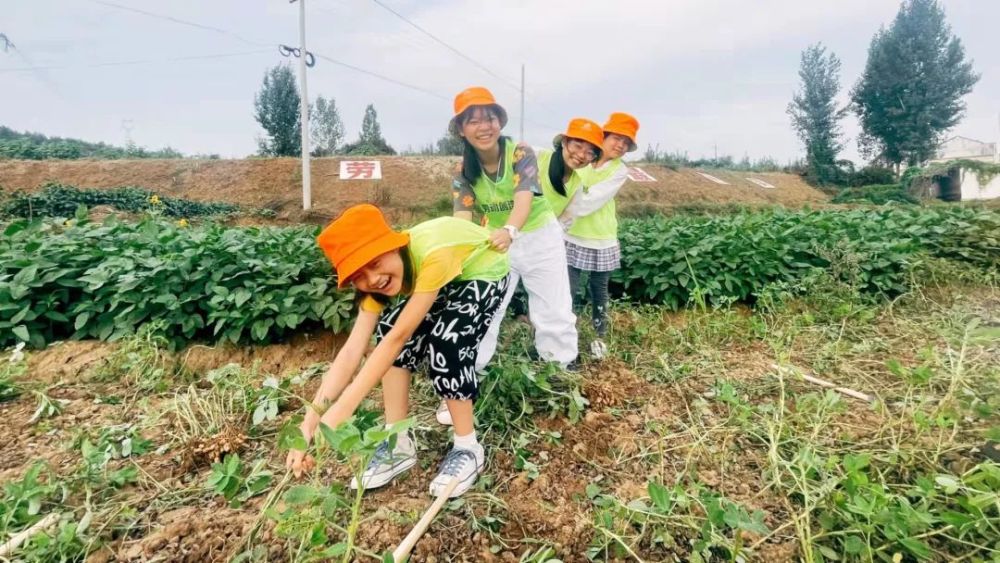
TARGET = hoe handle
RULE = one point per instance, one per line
(16, 540)
(404, 548)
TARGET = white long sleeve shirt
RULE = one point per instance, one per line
(587, 201)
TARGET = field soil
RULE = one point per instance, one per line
(654, 414)
(411, 186)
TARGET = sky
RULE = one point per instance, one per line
(700, 75)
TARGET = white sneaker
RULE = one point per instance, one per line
(599, 349)
(385, 465)
(443, 415)
(464, 464)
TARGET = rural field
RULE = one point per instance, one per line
(158, 345)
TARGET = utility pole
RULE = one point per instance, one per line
(306, 185)
(522, 104)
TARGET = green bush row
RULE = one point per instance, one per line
(733, 257)
(58, 200)
(208, 282)
(85, 279)
(878, 194)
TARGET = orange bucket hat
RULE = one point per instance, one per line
(583, 129)
(475, 96)
(355, 238)
(623, 124)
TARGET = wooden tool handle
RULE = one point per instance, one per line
(16, 540)
(405, 546)
(824, 383)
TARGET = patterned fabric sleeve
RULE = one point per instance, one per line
(464, 199)
(526, 170)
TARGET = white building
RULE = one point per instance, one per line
(964, 148)
(974, 188)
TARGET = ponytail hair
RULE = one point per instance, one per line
(557, 168)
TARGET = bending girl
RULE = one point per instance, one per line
(452, 283)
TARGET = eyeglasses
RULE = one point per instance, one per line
(581, 148)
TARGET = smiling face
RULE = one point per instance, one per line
(383, 275)
(480, 125)
(577, 154)
(615, 145)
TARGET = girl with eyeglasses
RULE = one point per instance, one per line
(499, 179)
(591, 223)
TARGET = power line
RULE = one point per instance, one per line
(382, 77)
(180, 21)
(136, 62)
(482, 67)
(257, 43)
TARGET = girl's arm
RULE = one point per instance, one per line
(522, 208)
(587, 201)
(526, 185)
(381, 359)
(339, 374)
(464, 199)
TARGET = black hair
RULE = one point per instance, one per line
(557, 169)
(404, 254)
(557, 165)
(471, 167)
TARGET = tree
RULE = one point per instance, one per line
(450, 145)
(276, 108)
(371, 131)
(912, 88)
(327, 128)
(814, 113)
(370, 142)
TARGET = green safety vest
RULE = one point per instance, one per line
(483, 264)
(556, 201)
(603, 223)
(496, 200)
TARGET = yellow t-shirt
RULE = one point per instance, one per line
(439, 268)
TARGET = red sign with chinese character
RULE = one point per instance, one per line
(360, 170)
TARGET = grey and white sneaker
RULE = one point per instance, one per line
(443, 415)
(386, 464)
(598, 349)
(461, 463)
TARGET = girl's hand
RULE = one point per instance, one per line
(299, 462)
(566, 221)
(500, 240)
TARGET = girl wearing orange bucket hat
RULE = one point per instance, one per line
(452, 283)
(500, 180)
(560, 168)
(592, 225)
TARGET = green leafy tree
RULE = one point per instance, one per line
(327, 128)
(35, 146)
(815, 115)
(450, 145)
(371, 131)
(912, 87)
(370, 142)
(276, 108)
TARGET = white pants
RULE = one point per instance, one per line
(538, 259)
